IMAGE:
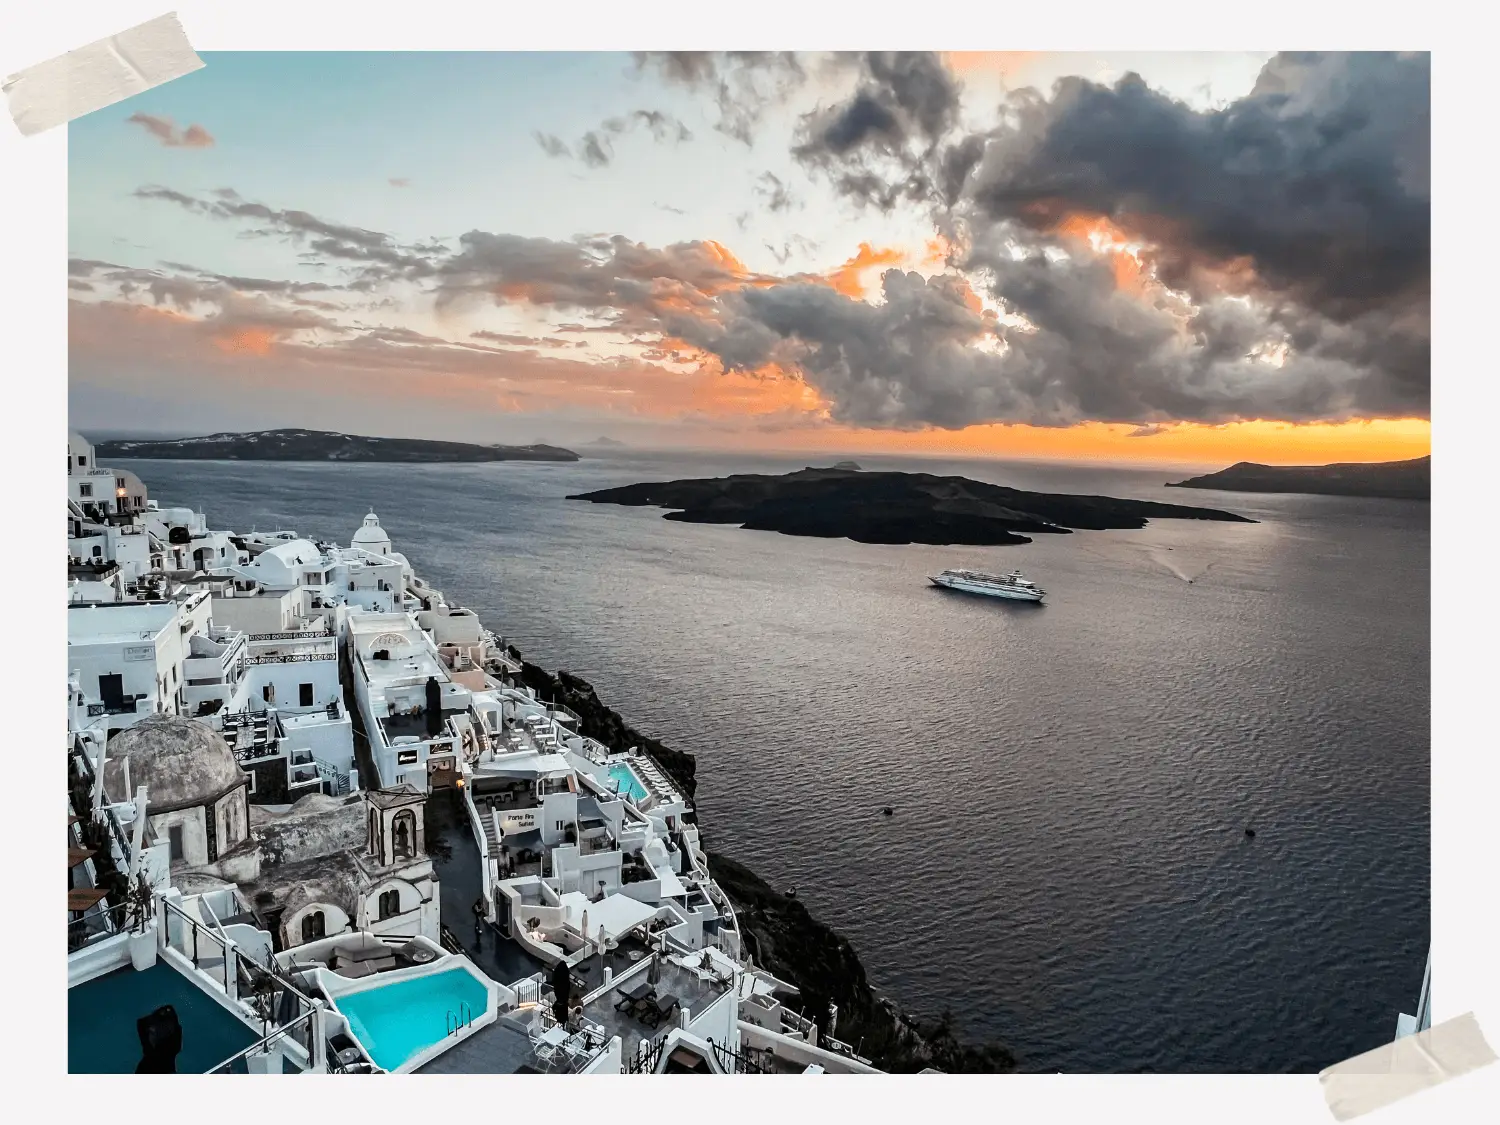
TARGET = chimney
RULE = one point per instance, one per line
(434, 707)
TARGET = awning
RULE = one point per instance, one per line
(618, 914)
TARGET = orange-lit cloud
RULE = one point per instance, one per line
(849, 278)
(1009, 65)
(246, 341)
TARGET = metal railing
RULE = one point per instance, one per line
(97, 924)
(293, 635)
(732, 1061)
(300, 1031)
(647, 1055)
(293, 658)
(211, 954)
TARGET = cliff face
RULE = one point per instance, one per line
(780, 933)
(599, 722)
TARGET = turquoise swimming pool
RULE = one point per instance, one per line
(396, 1021)
(627, 784)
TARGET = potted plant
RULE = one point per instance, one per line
(140, 912)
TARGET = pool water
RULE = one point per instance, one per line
(628, 784)
(396, 1021)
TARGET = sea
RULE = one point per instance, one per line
(1067, 869)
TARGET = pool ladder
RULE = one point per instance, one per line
(457, 1021)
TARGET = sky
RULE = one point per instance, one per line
(1175, 258)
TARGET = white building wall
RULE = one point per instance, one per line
(287, 679)
(262, 613)
(330, 740)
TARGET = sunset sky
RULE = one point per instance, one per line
(1189, 258)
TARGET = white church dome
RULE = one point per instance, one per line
(371, 536)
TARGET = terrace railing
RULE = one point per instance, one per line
(732, 1061)
(98, 924)
(211, 954)
(646, 1057)
(293, 658)
(299, 1031)
(294, 635)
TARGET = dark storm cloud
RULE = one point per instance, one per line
(1308, 197)
(1319, 176)
(928, 355)
(880, 145)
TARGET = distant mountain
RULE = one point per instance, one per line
(608, 443)
(1397, 480)
(323, 445)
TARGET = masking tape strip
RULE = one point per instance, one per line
(1412, 1063)
(100, 74)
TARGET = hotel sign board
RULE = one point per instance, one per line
(140, 652)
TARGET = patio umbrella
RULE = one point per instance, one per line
(583, 926)
(653, 974)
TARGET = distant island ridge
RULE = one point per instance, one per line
(892, 507)
(608, 443)
(1394, 480)
(323, 445)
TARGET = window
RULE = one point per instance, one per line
(312, 926)
(304, 695)
(174, 841)
(98, 552)
(119, 482)
(138, 501)
(268, 693)
(82, 459)
(85, 490)
(390, 904)
(312, 578)
(403, 833)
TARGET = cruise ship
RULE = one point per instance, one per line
(1012, 585)
(317, 823)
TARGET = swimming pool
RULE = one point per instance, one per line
(395, 1021)
(628, 785)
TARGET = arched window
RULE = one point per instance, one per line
(403, 835)
(312, 926)
(390, 904)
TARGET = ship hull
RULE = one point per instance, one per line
(986, 591)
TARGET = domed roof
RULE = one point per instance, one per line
(370, 533)
(181, 762)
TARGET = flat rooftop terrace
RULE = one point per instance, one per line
(691, 991)
(102, 1036)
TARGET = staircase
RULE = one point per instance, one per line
(336, 779)
(491, 833)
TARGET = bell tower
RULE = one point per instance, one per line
(396, 828)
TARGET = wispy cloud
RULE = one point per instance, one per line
(165, 130)
(596, 147)
(399, 181)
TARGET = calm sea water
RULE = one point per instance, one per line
(1067, 868)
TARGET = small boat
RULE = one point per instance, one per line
(1013, 585)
